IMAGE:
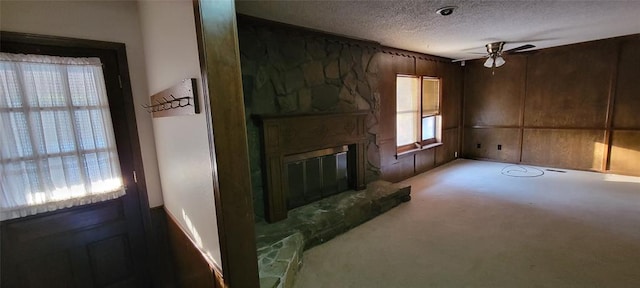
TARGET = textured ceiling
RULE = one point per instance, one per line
(414, 25)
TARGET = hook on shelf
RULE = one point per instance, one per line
(168, 104)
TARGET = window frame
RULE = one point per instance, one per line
(421, 144)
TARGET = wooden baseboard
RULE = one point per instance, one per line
(191, 267)
(219, 279)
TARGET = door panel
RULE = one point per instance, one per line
(67, 253)
(96, 245)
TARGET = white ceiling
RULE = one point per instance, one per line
(414, 25)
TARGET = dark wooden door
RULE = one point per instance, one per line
(95, 245)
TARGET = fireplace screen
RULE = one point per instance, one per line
(315, 175)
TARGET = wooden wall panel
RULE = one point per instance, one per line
(388, 152)
(425, 160)
(428, 68)
(627, 99)
(489, 139)
(451, 95)
(625, 152)
(450, 144)
(403, 65)
(575, 149)
(494, 99)
(569, 86)
(400, 170)
(191, 268)
(163, 270)
(566, 113)
(387, 88)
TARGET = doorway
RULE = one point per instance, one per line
(102, 244)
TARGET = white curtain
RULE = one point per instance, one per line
(57, 146)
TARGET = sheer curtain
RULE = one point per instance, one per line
(57, 146)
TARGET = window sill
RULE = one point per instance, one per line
(413, 151)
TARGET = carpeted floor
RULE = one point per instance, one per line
(469, 225)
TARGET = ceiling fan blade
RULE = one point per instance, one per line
(523, 47)
(471, 58)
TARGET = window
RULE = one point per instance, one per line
(418, 112)
(57, 146)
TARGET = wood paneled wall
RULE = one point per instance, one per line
(570, 107)
(190, 267)
(396, 168)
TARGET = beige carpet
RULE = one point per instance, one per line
(468, 225)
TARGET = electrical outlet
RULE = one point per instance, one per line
(478, 145)
(499, 146)
(455, 154)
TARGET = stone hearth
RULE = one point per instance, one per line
(280, 245)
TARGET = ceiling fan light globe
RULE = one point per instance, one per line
(489, 62)
(500, 61)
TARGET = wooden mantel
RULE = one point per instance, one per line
(290, 134)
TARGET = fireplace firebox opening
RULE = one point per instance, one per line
(314, 175)
(307, 157)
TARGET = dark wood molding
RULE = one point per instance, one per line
(461, 124)
(290, 134)
(625, 129)
(202, 57)
(415, 55)
(232, 191)
(532, 127)
(19, 37)
(523, 106)
(611, 98)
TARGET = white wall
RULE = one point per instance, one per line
(115, 21)
(182, 144)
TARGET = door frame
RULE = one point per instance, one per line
(219, 54)
(123, 71)
(136, 165)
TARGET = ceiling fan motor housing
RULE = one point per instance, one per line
(495, 48)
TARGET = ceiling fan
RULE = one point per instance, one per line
(495, 51)
(494, 56)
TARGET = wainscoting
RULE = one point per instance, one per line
(188, 267)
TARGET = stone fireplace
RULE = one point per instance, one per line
(310, 156)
